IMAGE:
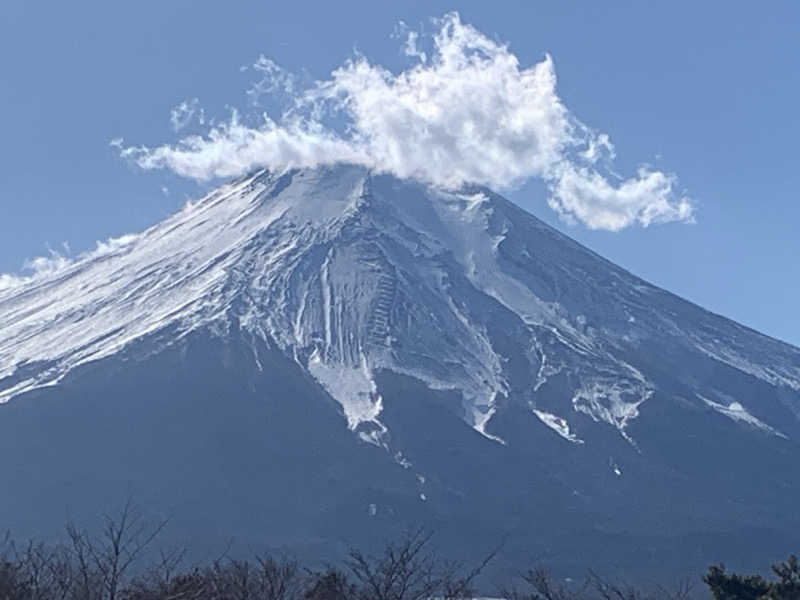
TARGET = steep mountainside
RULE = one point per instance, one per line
(321, 356)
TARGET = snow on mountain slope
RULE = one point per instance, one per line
(348, 273)
(737, 412)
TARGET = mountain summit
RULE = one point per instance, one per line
(319, 356)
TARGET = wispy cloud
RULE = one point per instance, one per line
(465, 111)
(275, 81)
(36, 267)
(56, 262)
(183, 114)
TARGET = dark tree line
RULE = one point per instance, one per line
(733, 586)
(109, 565)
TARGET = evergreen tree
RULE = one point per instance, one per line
(733, 586)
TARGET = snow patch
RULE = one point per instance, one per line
(612, 402)
(736, 412)
(352, 387)
(481, 415)
(557, 424)
(401, 460)
(774, 375)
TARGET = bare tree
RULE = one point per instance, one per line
(330, 584)
(608, 589)
(264, 579)
(279, 579)
(34, 572)
(109, 566)
(542, 586)
(162, 579)
(410, 570)
(103, 563)
(405, 570)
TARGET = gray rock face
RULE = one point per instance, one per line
(321, 356)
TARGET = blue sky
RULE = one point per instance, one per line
(707, 91)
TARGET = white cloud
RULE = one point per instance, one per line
(8, 281)
(582, 194)
(274, 80)
(233, 148)
(55, 262)
(35, 267)
(44, 265)
(182, 115)
(465, 111)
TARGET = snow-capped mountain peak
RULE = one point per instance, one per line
(350, 273)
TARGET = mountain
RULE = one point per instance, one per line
(315, 358)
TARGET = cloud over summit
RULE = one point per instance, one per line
(465, 111)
